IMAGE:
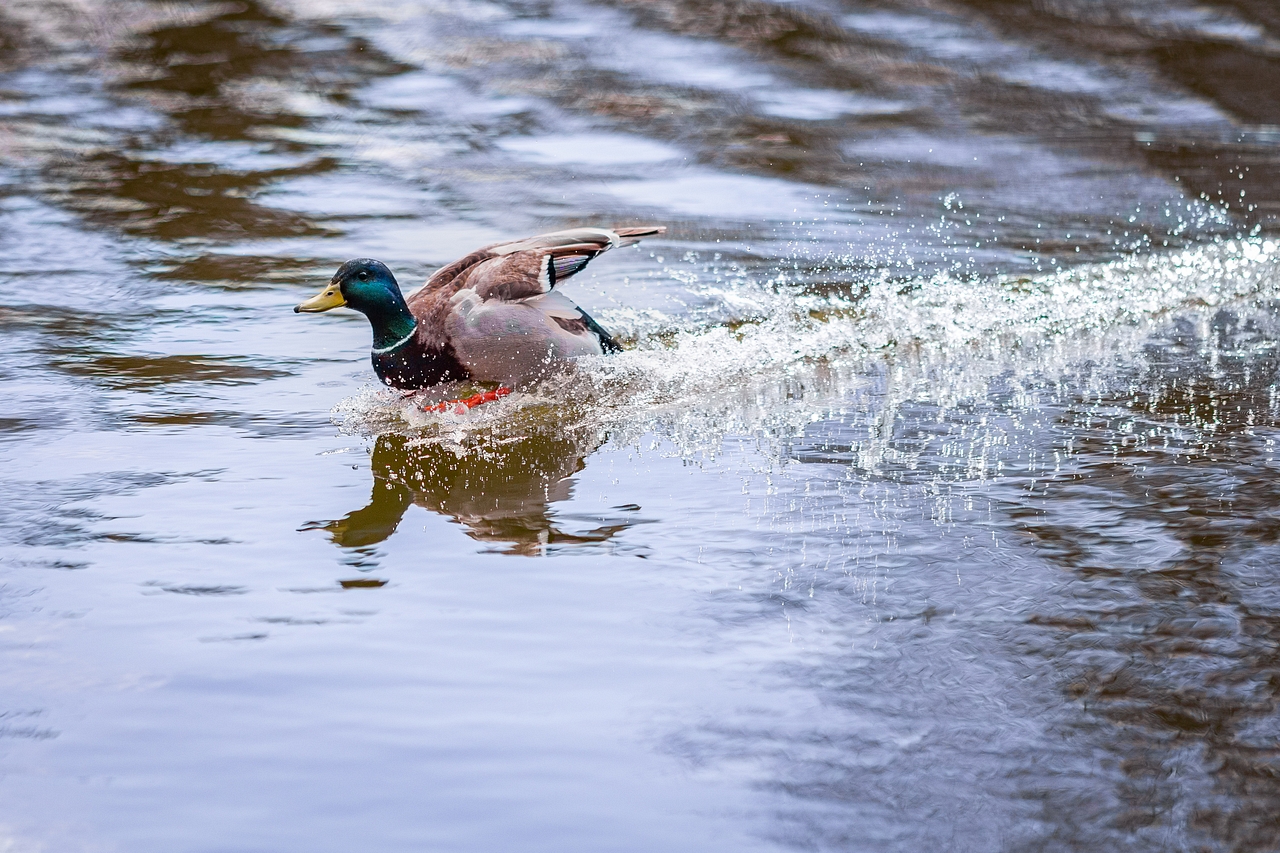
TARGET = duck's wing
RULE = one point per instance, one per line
(523, 268)
(573, 321)
(579, 239)
(496, 308)
(515, 341)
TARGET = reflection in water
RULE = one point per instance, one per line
(225, 70)
(141, 195)
(1174, 645)
(249, 80)
(501, 494)
(1135, 504)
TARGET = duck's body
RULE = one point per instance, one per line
(492, 316)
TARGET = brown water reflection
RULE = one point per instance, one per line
(503, 494)
(1133, 531)
(173, 201)
(225, 70)
(217, 72)
(1172, 645)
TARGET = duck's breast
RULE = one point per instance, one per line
(418, 366)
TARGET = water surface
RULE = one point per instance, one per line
(931, 506)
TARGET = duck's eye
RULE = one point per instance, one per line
(363, 276)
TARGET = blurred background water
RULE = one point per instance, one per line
(933, 505)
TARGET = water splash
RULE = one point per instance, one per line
(784, 353)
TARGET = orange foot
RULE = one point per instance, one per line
(460, 407)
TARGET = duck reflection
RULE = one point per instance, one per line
(502, 495)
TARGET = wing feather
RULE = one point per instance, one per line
(523, 268)
(563, 266)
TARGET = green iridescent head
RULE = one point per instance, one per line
(369, 287)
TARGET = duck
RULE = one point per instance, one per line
(492, 316)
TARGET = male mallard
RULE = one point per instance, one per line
(491, 316)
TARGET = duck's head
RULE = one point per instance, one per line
(363, 284)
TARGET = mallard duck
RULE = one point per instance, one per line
(492, 316)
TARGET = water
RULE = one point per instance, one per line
(931, 506)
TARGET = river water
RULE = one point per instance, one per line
(933, 505)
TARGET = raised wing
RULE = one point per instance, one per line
(525, 268)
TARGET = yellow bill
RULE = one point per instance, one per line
(325, 300)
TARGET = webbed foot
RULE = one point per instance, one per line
(461, 407)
